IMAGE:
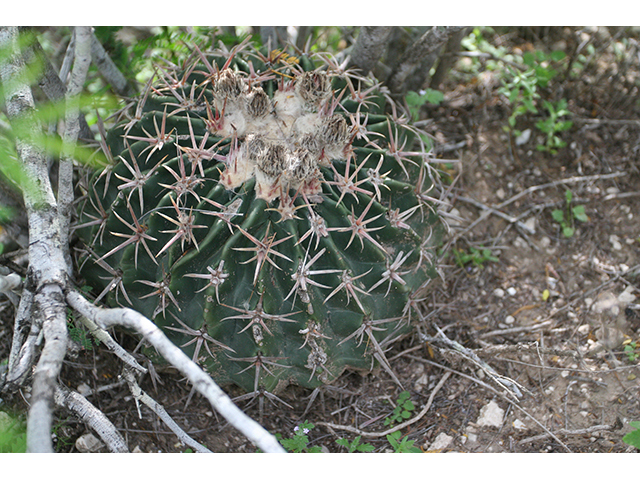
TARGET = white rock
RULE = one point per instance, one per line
(519, 424)
(498, 292)
(615, 242)
(421, 382)
(626, 296)
(511, 291)
(441, 442)
(584, 329)
(491, 415)
(530, 223)
(84, 389)
(88, 443)
(523, 137)
(509, 320)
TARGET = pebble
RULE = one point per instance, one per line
(441, 442)
(491, 415)
(509, 320)
(511, 291)
(519, 424)
(498, 292)
(84, 389)
(615, 242)
(88, 443)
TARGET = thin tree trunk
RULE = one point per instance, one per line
(369, 48)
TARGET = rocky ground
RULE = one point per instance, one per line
(530, 347)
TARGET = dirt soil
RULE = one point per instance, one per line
(521, 354)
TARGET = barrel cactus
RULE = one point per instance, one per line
(269, 212)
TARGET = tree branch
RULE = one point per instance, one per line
(47, 265)
(125, 317)
(109, 70)
(93, 417)
(82, 60)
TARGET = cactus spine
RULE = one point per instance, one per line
(265, 213)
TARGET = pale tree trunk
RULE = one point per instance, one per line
(48, 293)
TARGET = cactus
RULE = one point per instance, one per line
(267, 214)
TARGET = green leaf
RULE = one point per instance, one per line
(568, 232)
(579, 213)
(557, 55)
(558, 216)
(633, 438)
(568, 194)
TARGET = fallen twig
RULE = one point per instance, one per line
(125, 317)
(141, 395)
(564, 431)
(411, 421)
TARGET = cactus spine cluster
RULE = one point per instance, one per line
(267, 214)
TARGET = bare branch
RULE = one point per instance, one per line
(109, 70)
(141, 395)
(202, 382)
(46, 261)
(82, 60)
(93, 417)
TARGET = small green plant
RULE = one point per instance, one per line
(402, 444)
(404, 409)
(521, 88)
(552, 125)
(477, 256)
(630, 351)
(355, 445)
(415, 100)
(633, 438)
(565, 217)
(13, 434)
(299, 443)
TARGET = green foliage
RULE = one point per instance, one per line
(270, 237)
(13, 434)
(522, 89)
(552, 125)
(416, 100)
(565, 217)
(631, 352)
(403, 411)
(477, 256)
(633, 438)
(402, 444)
(355, 445)
(299, 443)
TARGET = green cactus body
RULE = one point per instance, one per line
(266, 217)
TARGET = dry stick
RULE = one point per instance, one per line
(108, 69)
(564, 431)
(141, 395)
(104, 337)
(498, 213)
(497, 392)
(508, 384)
(422, 413)
(125, 317)
(93, 417)
(532, 189)
(81, 62)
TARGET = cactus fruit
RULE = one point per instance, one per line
(264, 212)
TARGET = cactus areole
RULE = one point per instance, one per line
(269, 214)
